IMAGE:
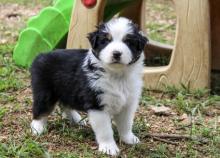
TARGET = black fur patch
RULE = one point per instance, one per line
(98, 40)
(59, 77)
(135, 42)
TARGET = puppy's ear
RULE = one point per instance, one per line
(143, 40)
(92, 37)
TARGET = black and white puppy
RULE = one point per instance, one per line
(104, 81)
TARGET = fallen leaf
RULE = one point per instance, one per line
(185, 119)
(161, 110)
(218, 120)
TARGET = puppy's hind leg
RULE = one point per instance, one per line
(73, 116)
(43, 105)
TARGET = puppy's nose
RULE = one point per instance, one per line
(117, 55)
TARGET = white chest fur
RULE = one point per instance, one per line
(119, 90)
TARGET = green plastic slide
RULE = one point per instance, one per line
(49, 29)
(43, 32)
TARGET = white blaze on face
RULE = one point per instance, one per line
(118, 29)
(106, 55)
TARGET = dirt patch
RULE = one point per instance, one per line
(13, 18)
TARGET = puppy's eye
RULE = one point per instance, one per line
(104, 39)
(129, 39)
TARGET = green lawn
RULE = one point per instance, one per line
(62, 140)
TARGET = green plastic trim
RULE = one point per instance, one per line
(26, 50)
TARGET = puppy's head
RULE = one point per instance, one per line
(117, 42)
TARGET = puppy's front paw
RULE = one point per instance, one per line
(109, 148)
(130, 139)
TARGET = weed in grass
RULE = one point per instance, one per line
(161, 151)
(191, 152)
(182, 99)
(140, 126)
(3, 111)
(138, 150)
(66, 155)
(6, 97)
(179, 155)
(162, 30)
(214, 146)
(28, 148)
(10, 77)
(154, 33)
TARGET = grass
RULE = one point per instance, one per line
(8, 70)
(12, 79)
(63, 140)
(28, 3)
(161, 27)
(29, 148)
(183, 100)
(161, 21)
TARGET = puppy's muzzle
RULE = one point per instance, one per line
(116, 57)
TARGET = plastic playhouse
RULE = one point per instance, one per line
(190, 62)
